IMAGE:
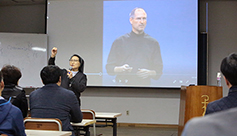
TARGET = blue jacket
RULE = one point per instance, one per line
(11, 119)
(224, 103)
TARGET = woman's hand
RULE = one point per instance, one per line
(54, 52)
(69, 74)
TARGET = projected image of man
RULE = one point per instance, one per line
(135, 57)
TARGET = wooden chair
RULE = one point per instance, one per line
(87, 115)
(43, 123)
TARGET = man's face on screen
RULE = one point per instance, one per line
(138, 22)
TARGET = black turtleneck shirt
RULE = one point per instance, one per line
(139, 52)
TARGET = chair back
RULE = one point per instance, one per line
(43, 123)
(88, 114)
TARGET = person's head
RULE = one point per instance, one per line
(50, 74)
(229, 69)
(76, 63)
(138, 18)
(11, 74)
(1, 83)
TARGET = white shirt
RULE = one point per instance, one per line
(74, 73)
(1, 97)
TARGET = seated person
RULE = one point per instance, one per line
(53, 101)
(218, 124)
(229, 70)
(11, 119)
(11, 76)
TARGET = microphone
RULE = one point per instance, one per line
(70, 68)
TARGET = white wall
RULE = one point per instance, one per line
(222, 28)
(155, 106)
(152, 106)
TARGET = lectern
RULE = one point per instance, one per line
(193, 102)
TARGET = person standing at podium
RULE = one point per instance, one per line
(73, 79)
(229, 70)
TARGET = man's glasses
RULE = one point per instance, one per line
(140, 18)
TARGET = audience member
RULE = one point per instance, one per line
(54, 101)
(11, 76)
(11, 119)
(223, 119)
(229, 70)
(218, 124)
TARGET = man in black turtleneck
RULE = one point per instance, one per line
(135, 57)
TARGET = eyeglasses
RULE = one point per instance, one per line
(73, 60)
(140, 18)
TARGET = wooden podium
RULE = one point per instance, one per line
(193, 102)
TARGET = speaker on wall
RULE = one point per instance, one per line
(202, 58)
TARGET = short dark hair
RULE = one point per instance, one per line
(11, 74)
(50, 74)
(229, 68)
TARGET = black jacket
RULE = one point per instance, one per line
(18, 97)
(77, 84)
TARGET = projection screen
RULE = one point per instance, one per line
(101, 32)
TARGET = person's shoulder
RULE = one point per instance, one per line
(67, 94)
(220, 123)
(13, 91)
(80, 74)
(194, 125)
(221, 102)
(215, 102)
(201, 123)
(216, 118)
(12, 88)
(122, 37)
(66, 91)
(15, 111)
(196, 121)
(35, 91)
(19, 88)
(147, 36)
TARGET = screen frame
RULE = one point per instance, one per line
(201, 70)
